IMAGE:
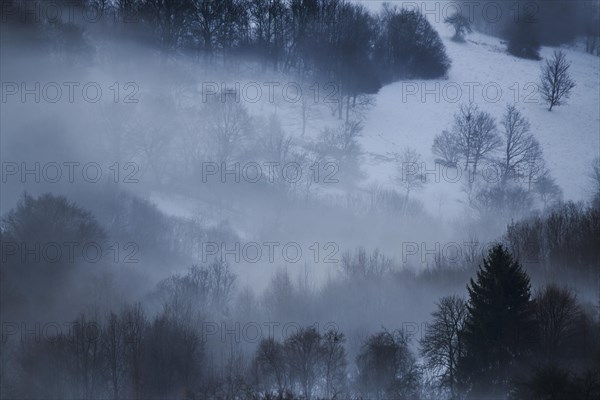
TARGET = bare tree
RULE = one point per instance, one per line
(271, 365)
(279, 297)
(205, 22)
(149, 139)
(547, 190)
(113, 348)
(517, 141)
(362, 265)
(476, 135)
(535, 166)
(496, 202)
(409, 175)
(386, 367)
(206, 289)
(340, 146)
(307, 111)
(135, 325)
(228, 124)
(173, 346)
(268, 17)
(556, 82)
(485, 139)
(221, 281)
(463, 130)
(276, 146)
(594, 177)
(557, 313)
(169, 19)
(191, 140)
(461, 25)
(304, 355)
(442, 345)
(85, 350)
(232, 374)
(334, 360)
(445, 146)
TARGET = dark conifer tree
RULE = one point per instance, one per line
(499, 326)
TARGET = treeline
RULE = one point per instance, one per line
(195, 147)
(54, 251)
(527, 25)
(503, 340)
(564, 238)
(200, 335)
(331, 40)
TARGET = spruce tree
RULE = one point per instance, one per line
(499, 324)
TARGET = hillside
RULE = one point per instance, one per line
(570, 135)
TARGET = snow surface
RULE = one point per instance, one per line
(569, 135)
(411, 113)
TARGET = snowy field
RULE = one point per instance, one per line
(411, 113)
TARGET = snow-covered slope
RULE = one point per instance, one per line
(412, 113)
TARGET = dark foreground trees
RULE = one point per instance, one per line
(442, 346)
(44, 241)
(499, 327)
(307, 362)
(190, 342)
(335, 40)
(386, 368)
(567, 238)
(566, 362)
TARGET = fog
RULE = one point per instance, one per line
(191, 209)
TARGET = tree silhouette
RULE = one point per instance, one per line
(461, 25)
(499, 323)
(557, 83)
(387, 368)
(523, 37)
(442, 345)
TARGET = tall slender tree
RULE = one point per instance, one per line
(517, 141)
(442, 345)
(557, 84)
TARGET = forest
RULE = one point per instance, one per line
(192, 206)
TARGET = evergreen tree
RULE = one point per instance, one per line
(499, 324)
